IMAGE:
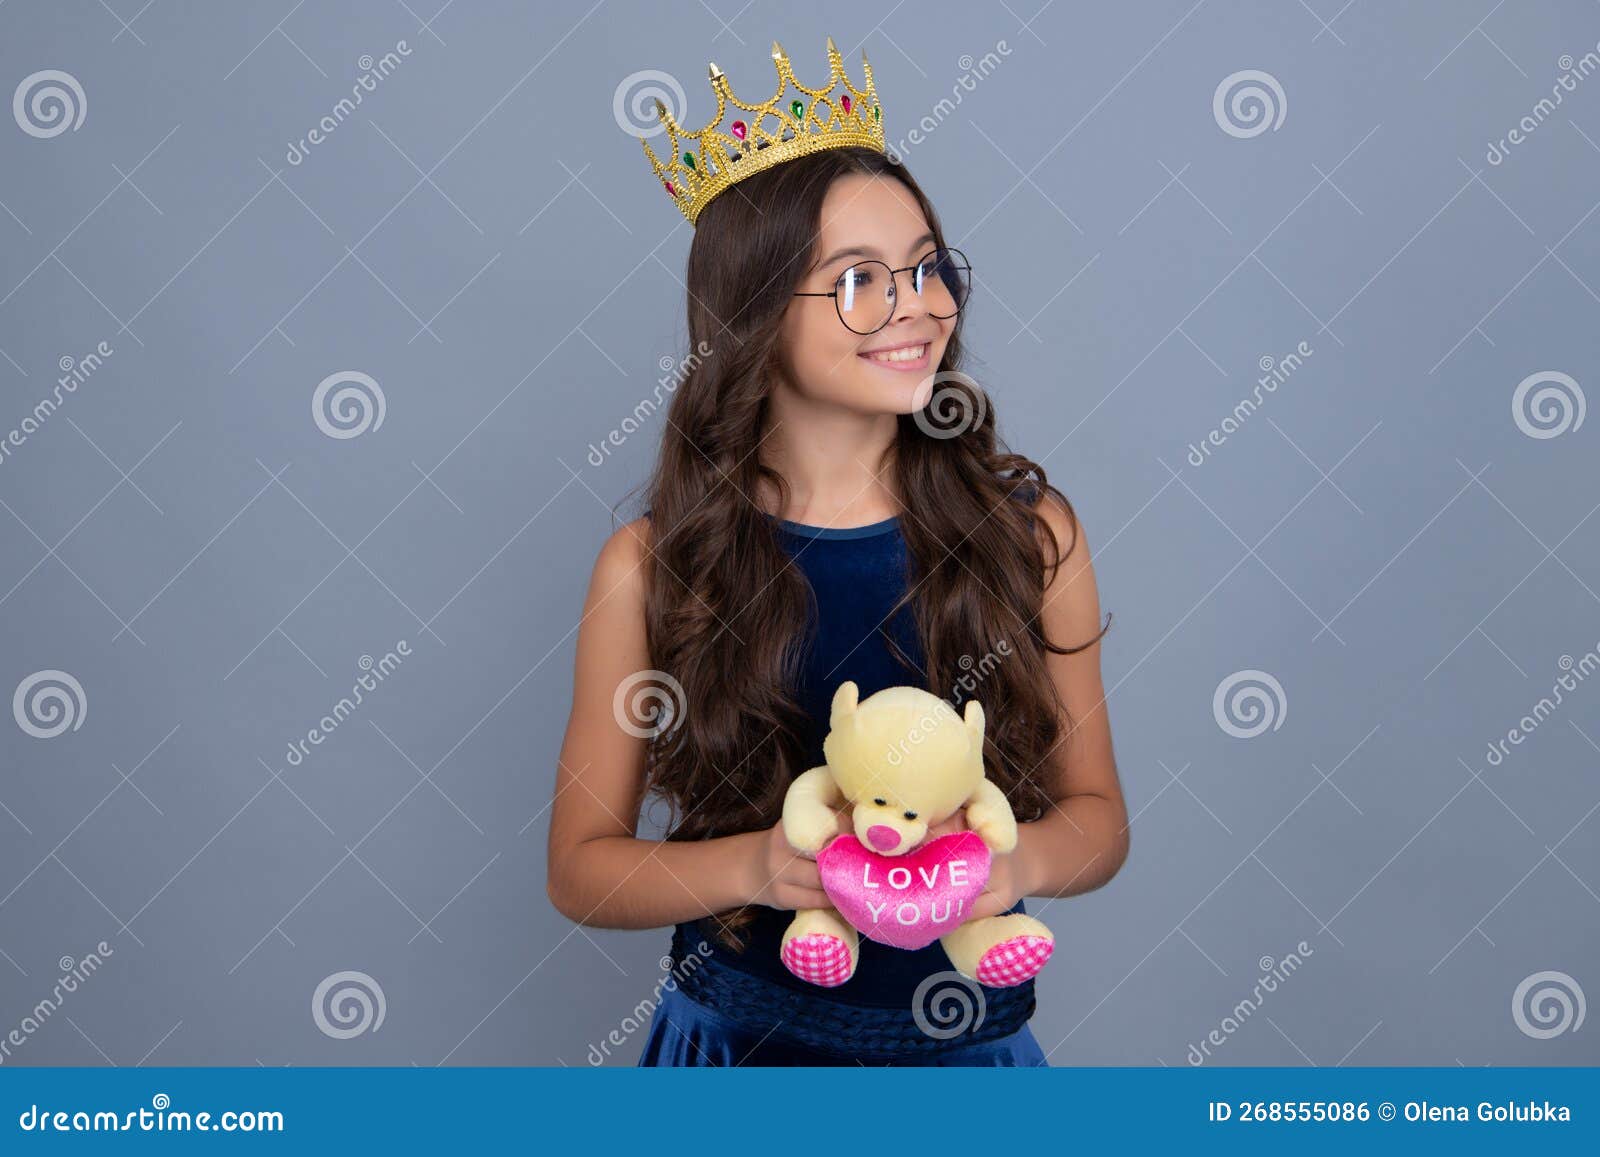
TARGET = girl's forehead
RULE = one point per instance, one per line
(870, 211)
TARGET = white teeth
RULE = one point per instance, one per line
(908, 354)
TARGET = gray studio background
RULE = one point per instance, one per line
(1385, 536)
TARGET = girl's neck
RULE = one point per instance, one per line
(835, 461)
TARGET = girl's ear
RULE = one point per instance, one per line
(844, 704)
(974, 721)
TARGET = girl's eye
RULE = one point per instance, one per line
(881, 802)
(854, 278)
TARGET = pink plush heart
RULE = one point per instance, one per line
(906, 901)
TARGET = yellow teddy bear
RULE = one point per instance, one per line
(905, 761)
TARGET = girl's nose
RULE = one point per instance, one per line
(882, 837)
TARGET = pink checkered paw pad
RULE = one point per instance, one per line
(1012, 961)
(819, 958)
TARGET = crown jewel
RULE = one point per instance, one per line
(705, 162)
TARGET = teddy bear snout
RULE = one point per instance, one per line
(883, 837)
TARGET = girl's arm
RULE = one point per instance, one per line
(598, 873)
(1080, 843)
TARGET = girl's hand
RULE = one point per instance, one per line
(1002, 891)
(780, 877)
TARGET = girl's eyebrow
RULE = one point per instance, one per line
(869, 251)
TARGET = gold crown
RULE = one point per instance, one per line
(706, 162)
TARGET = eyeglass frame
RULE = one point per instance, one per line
(965, 264)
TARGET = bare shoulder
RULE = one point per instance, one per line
(1067, 528)
(619, 569)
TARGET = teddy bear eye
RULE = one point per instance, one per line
(881, 802)
(911, 815)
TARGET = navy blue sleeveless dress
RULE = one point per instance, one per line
(721, 1007)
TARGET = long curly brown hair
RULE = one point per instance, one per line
(725, 609)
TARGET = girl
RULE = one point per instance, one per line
(809, 522)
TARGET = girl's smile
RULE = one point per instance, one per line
(902, 356)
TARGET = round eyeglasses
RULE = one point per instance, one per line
(865, 294)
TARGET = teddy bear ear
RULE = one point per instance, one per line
(844, 703)
(974, 721)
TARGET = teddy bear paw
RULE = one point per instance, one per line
(819, 958)
(1014, 960)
